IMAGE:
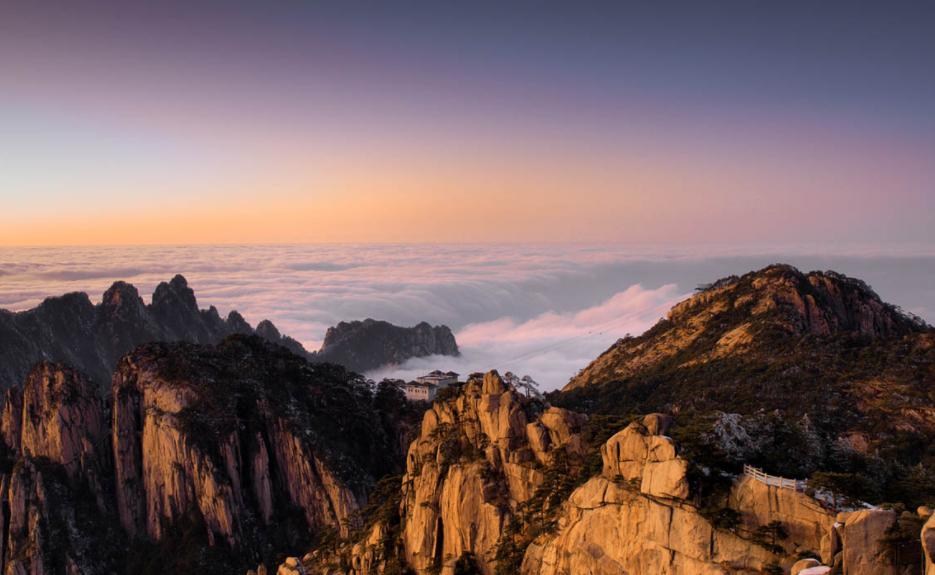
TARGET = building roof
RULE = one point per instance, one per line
(439, 373)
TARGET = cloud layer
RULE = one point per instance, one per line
(550, 347)
(545, 310)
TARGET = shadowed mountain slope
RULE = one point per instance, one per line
(207, 459)
(72, 330)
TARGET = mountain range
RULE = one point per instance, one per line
(92, 338)
(775, 422)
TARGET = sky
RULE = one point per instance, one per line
(543, 310)
(297, 122)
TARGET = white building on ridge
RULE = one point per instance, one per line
(425, 388)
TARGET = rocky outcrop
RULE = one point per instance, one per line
(476, 460)
(861, 534)
(178, 444)
(242, 446)
(646, 459)
(478, 465)
(366, 345)
(807, 523)
(635, 517)
(607, 527)
(92, 338)
(613, 524)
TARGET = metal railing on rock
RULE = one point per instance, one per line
(775, 480)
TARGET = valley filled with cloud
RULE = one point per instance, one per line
(542, 310)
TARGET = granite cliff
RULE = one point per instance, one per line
(496, 484)
(244, 448)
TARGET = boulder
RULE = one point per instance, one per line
(291, 566)
(861, 537)
(808, 524)
(610, 529)
(651, 461)
(666, 479)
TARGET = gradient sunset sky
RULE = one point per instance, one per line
(681, 122)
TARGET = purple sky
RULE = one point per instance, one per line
(217, 122)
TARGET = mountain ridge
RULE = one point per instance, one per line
(220, 457)
(93, 337)
(729, 314)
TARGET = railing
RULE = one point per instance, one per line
(775, 480)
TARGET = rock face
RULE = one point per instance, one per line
(483, 459)
(647, 460)
(861, 534)
(92, 338)
(473, 464)
(635, 517)
(63, 422)
(246, 446)
(365, 345)
(928, 545)
(238, 438)
(57, 491)
(807, 523)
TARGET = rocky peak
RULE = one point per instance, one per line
(77, 303)
(174, 293)
(753, 313)
(238, 324)
(175, 309)
(268, 331)
(369, 344)
(816, 303)
(478, 458)
(57, 416)
(123, 299)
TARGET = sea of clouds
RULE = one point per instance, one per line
(541, 310)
